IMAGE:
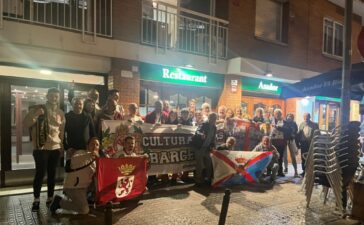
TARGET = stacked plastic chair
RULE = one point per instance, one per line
(330, 161)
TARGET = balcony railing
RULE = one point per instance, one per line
(91, 17)
(170, 27)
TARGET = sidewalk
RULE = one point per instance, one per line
(184, 204)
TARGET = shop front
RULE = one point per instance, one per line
(20, 89)
(261, 93)
(325, 111)
(178, 86)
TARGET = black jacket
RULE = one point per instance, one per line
(201, 133)
(78, 130)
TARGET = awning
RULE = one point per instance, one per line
(327, 84)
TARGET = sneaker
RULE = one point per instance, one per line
(285, 170)
(55, 204)
(35, 206)
(296, 175)
(281, 175)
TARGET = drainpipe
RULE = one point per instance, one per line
(346, 65)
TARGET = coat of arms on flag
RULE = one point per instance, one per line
(238, 167)
(125, 183)
(120, 179)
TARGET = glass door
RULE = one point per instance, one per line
(23, 98)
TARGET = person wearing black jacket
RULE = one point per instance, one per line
(79, 128)
(204, 142)
(279, 136)
(291, 144)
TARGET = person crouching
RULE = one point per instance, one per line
(80, 169)
(266, 146)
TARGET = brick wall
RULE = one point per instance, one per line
(129, 87)
(127, 20)
(228, 98)
(305, 27)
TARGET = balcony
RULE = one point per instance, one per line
(169, 27)
(90, 17)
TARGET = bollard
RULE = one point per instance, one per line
(108, 214)
(224, 207)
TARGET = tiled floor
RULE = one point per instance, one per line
(184, 204)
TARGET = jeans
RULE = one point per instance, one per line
(203, 165)
(291, 146)
(45, 161)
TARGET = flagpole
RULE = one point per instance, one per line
(346, 65)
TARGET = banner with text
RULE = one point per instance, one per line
(168, 146)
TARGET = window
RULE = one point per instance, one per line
(333, 38)
(270, 23)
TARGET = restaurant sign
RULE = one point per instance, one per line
(261, 85)
(177, 75)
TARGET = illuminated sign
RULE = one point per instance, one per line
(268, 87)
(178, 74)
(182, 76)
(261, 85)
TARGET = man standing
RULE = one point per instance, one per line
(79, 128)
(157, 116)
(46, 123)
(278, 136)
(305, 135)
(206, 135)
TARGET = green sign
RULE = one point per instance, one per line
(180, 76)
(261, 85)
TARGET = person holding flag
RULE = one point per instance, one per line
(80, 170)
(266, 146)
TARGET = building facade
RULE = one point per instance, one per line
(214, 51)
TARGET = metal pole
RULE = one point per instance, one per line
(224, 207)
(108, 214)
(346, 68)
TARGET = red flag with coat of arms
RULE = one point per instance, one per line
(120, 179)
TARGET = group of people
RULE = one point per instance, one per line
(79, 132)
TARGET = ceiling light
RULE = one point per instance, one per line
(189, 66)
(269, 74)
(46, 72)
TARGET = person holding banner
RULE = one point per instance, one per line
(172, 117)
(278, 135)
(198, 119)
(157, 116)
(266, 146)
(204, 142)
(80, 170)
(132, 114)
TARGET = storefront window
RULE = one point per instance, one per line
(22, 99)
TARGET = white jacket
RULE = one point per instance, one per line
(81, 178)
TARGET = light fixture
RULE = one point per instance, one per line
(189, 66)
(46, 72)
(155, 96)
(268, 72)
